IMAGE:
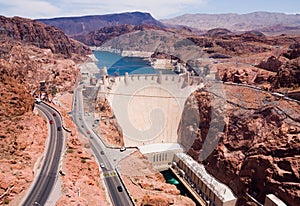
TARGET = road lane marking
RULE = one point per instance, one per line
(109, 173)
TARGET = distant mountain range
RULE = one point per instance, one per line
(260, 21)
(83, 25)
(266, 22)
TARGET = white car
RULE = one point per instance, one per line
(122, 149)
(37, 100)
(102, 164)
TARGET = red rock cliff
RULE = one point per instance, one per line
(30, 52)
(36, 33)
(259, 146)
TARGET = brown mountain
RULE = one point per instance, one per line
(256, 152)
(31, 52)
(85, 24)
(41, 35)
(99, 37)
(261, 21)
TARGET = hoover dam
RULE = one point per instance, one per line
(149, 107)
(149, 110)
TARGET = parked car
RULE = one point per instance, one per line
(51, 121)
(58, 128)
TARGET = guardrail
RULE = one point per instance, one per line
(62, 120)
(122, 181)
(36, 170)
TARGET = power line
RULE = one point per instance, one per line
(141, 95)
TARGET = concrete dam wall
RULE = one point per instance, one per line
(149, 107)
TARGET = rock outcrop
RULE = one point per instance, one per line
(146, 185)
(30, 52)
(218, 32)
(293, 52)
(108, 127)
(100, 36)
(22, 141)
(272, 64)
(30, 65)
(288, 76)
(259, 145)
(32, 32)
(15, 99)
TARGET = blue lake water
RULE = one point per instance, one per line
(118, 65)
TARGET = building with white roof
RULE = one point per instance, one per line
(216, 192)
(272, 200)
(161, 154)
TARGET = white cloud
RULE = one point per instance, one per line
(54, 8)
(28, 8)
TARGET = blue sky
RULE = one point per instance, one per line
(158, 8)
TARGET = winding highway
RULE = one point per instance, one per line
(43, 184)
(119, 197)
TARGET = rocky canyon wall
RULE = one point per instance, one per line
(259, 145)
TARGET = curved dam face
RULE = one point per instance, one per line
(149, 107)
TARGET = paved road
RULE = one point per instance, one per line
(43, 185)
(111, 179)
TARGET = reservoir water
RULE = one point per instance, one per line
(118, 65)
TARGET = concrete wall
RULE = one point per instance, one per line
(149, 107)
(272, 200)
(162, 160)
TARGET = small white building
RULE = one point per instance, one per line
(161, 155)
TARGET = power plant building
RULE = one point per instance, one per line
(213, 191)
